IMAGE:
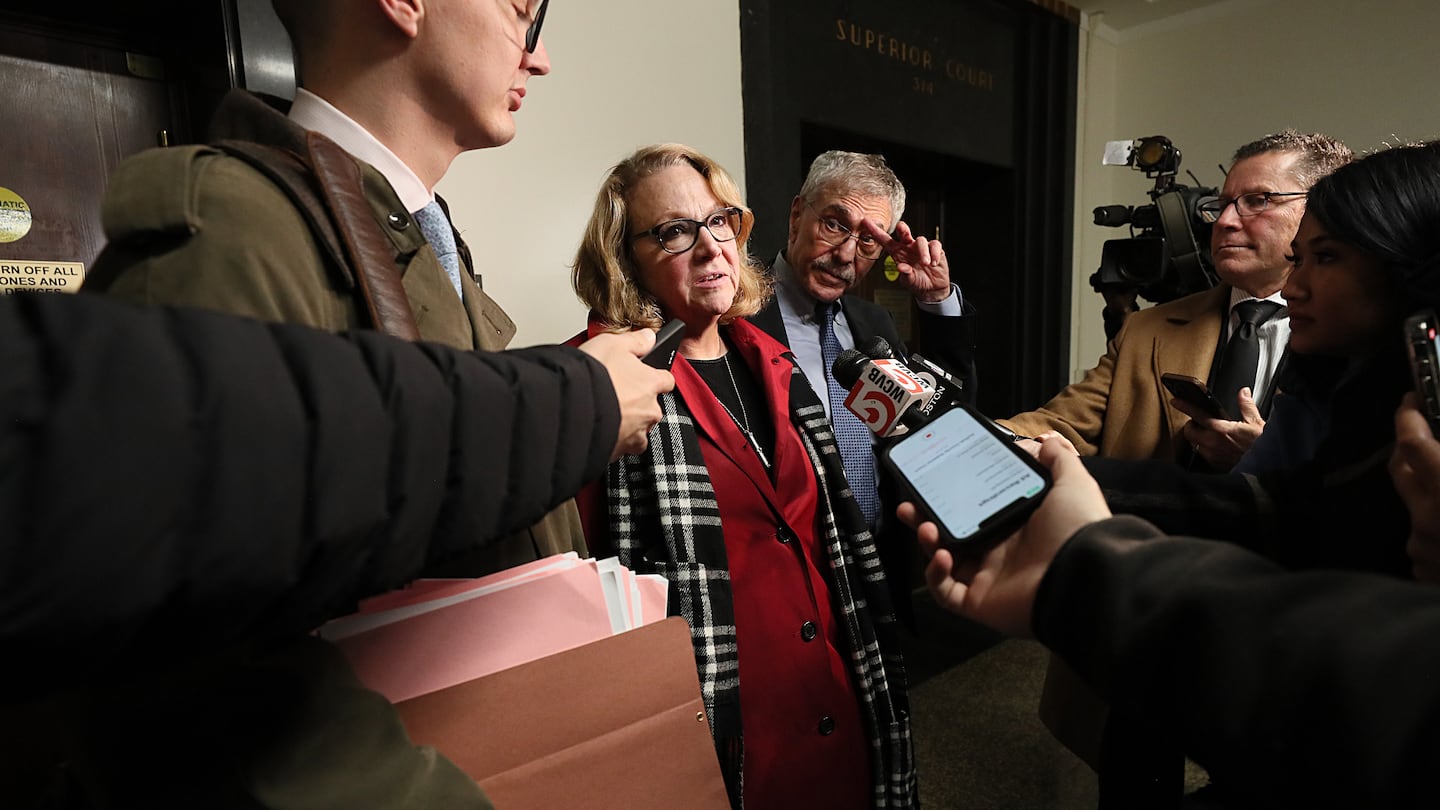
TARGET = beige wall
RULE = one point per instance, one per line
(1210, 79)
(625, 73)
(1213, 79)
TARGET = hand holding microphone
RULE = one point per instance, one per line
(636, 384)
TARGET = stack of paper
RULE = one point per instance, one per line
(442, 632)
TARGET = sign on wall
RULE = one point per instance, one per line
(30, 275)
(939, 76)
(40, 276)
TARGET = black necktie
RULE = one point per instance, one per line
(1242, 354)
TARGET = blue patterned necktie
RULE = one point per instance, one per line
(436, 227)
(851, 435)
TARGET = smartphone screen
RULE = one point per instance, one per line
(965, 476)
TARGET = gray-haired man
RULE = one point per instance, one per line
(846, 215)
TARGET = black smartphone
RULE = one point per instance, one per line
(974, 483)
(667, 342)
(1188, 389)
(1420, 336)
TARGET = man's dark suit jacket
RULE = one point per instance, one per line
(950, 342)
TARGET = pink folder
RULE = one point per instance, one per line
(535, 617)
(424, 590)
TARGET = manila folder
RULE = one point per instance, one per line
(616, 723)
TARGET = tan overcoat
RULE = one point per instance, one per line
(1120, 409)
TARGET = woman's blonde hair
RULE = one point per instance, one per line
(604, 271)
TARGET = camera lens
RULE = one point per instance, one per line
(1145, 216)
(1112, 216)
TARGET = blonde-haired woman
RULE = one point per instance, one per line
(741, 501)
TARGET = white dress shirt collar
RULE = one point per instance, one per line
(802, 329)
(315, 113)
(1237, 295)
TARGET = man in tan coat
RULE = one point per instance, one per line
(1120, 409)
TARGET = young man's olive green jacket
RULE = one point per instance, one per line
(195, 226)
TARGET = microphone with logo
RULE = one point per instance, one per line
(885, 395)
(951, 461)
(949, 390)
(852, 367)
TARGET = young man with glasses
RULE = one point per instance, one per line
(323, 213)
(278, 243)
(1121, 409)
(840, 226)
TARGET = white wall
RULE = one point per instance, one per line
(1361, 70)
(1096, 98)
(625, 73)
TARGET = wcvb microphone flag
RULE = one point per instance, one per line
(885, 391)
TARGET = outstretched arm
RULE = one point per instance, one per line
(176, 479)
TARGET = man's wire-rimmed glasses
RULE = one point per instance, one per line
(1246, 205)
(679, 235)
(831, 232)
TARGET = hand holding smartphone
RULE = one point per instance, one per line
(1194, 392)
(961, 473)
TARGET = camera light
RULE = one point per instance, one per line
(1156, 154)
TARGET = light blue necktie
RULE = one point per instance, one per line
(436, 227)
(851, 435)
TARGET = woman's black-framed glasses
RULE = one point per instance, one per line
(679, 235)
(1246, 205)
(532, 34)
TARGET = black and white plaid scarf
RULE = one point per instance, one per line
(663, 519)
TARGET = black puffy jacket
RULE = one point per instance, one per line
(170, 474)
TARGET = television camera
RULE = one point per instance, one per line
(1167, 253)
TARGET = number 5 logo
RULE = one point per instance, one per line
(874, 408)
